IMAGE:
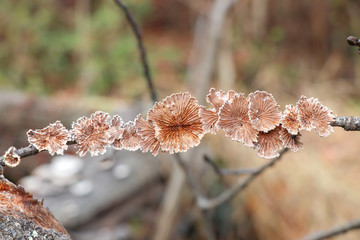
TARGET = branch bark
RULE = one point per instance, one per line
(348, 123)
(28, 151)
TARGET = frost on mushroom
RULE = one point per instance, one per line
(209, 117)
(177, 123)
(92, 134)
(269, 143)
(130, 139)
(234, 120)
(264, 111)
(10, 158)
(116, 130)
(291, 141)
(218, 98)
(53, 138)
(147, 132)
(313, 115)
(289, 119)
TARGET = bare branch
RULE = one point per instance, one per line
(351, 225)
(224, 171)
(349, 123)
(228, 194)
(190, 177)
(28, 151)
(196, 189)
(240, 171)
(141, 47)
(213, 165)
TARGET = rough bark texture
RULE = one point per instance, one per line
(23, 216)
(14, 228)
(348, 123)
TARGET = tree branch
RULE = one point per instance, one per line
(190, 177)
(196, 189)
(240, 171)
(216, 169)
(228, 194)
(355, 224)
(225, 171)
(141, 47)
(28, 151)
(349, 123)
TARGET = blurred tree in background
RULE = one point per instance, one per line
(87, 47)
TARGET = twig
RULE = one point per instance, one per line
(349, 123)
(141, 47)
(190, 177)
(213, 165)
(28, 151)
(355, 224)
(224, 171)
(240, 171)
(228, 194)
(196, 189)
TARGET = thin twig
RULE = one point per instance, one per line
(141, 47)
(228, 194)
(190, 177)
(355, 224)
(213, 165)
(196, 189)
(240, 171)
(225, 171)
(349, 123)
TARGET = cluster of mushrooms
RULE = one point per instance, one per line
(178, 123)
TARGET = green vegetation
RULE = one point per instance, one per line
(50, 46)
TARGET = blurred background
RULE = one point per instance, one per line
(60, 60)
